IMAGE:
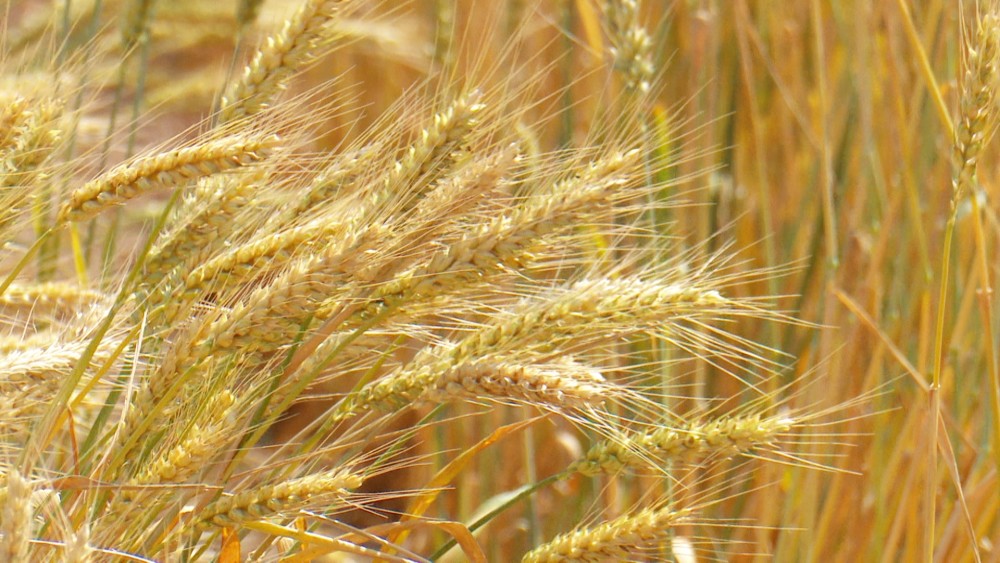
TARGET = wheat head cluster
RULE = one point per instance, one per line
(335, 280)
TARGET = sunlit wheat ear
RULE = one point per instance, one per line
(270, 252)
(506, 240)
(29, 378)
(563, 387)
(978, 109)
(631, 44)
(574, 318)
(30, 130)
(33, 134)
(16, 516)
(690, 442)
(191, 453)
(439, 145)
(328, 491)
(165, 170)
(46, 296)
(280, 57)
(615, 540)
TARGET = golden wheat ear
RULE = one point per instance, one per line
(165, 170)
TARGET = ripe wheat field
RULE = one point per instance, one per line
(499, 280)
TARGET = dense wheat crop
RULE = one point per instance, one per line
(557, 280)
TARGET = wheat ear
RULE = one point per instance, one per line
(324, 489)
(16, 520)
(436, 149)
(48, 295)
(198, 445)
(165, 170)
(561, 386)
(188, 457)
(723, 437)
(615, 540)
(626, 305)
(506, 240)
(977, 100)
(282, 54)
(268, 253)
(632, 46)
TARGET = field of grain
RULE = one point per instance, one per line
(499, 280)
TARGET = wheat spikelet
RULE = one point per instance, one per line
(165, 170)
(327, 489)
(615, 540)
(693, 441)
